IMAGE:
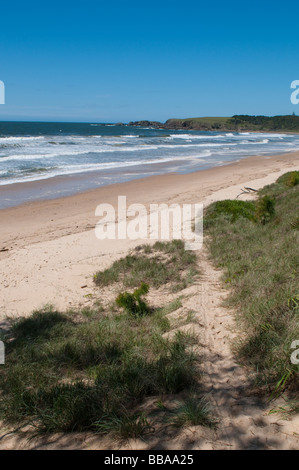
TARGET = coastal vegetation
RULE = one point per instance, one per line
(162, 263)
(126, 366)
(113, 369)
(287, 123)
(256, 246)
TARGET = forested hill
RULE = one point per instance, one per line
(235, 123)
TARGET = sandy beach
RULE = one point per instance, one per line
(49, 251)
(149, 229)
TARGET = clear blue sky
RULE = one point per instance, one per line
(119, 61)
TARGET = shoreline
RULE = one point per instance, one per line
(48, 249)
(69, 179)
(44, 185)
(54, 184)
(58, 212)
(62, 186)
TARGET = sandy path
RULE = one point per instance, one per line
(244, 420)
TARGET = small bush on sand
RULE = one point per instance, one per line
(265, 209)
(231, 210)
(132, 303)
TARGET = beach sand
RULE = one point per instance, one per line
(51, 250)
(52, 254)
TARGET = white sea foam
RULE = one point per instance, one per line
(257, 142)
(75, 169)
(195, 136)
(273, 136)
(28, 158)
(20, 139)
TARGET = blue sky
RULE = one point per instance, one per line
(121, 61)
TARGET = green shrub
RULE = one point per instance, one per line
(265, 209)
(231, 209)
(289, 179)
(132, 303)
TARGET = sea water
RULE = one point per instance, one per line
(87, 155)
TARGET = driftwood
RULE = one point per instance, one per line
(250, 189)
(246, 190)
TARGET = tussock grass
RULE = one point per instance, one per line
(88, 375)
(261, 265)
(157, 265)
(193, 411)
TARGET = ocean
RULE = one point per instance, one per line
(73, 157)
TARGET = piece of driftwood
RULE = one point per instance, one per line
(246, 190)
(250, 189)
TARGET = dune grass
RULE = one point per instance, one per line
(93, 369)
(157, 265)
(193, 412)
(260, 260)
(62, 375)
(289, 179)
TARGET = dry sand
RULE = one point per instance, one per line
(52, 247)
(53, 252)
